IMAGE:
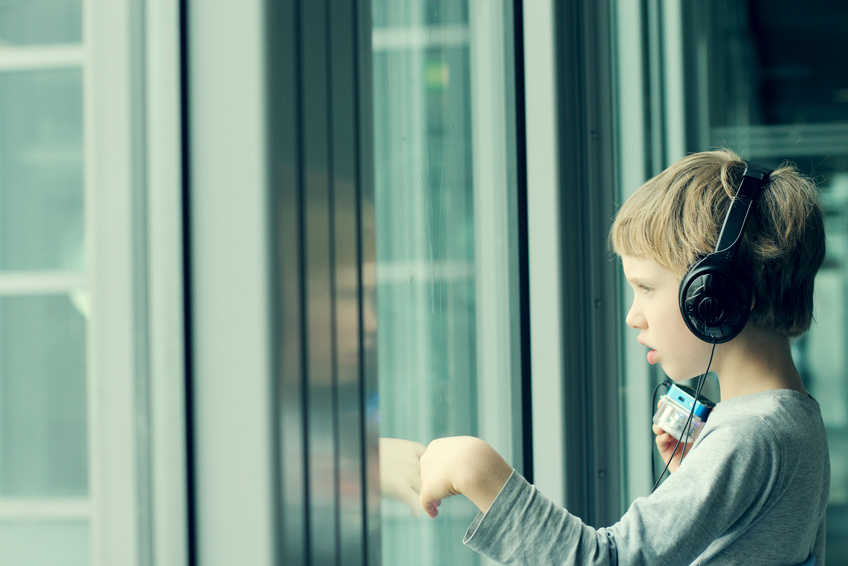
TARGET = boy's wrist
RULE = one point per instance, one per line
(484, 474)
(461, 465)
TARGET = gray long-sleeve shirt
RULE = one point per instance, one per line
(753, 490)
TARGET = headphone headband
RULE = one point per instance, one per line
(754, 178)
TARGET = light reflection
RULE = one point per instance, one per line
(400, 472)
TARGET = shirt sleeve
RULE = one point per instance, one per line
(524, 527)
(723, 481)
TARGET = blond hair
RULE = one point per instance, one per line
(674, 220)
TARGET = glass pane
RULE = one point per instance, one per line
(794, 107)
(41, 170)
(768, 82)
(29, 22)
(43, 446)
(44, 509)
(447, 297)
(22, 543)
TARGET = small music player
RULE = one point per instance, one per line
(674, 411)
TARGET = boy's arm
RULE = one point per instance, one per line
(461, 465)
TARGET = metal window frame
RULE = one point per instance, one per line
(231, 387)
(134, 242)
(320, 151)
(279, 146)
(571, 180)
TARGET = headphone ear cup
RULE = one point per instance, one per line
(715, 300)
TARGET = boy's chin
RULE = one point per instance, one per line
(677, 376)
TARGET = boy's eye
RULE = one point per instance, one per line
(646, 288)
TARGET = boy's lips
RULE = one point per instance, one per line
(652, 357)
(652, 354)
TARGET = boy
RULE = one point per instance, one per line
(753, 489)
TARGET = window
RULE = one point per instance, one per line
(447, 252)
(760, 79)
(44, 425)
(774, 100)
(91, 373)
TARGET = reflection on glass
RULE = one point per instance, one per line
(446, 283)
(30, 22)
(400, 472)
(41, 196)
(43, 445)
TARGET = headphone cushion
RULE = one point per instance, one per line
(715, 300)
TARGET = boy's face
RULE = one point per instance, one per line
(655, 312)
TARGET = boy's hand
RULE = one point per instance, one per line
(461, 465)
(400, 476)
(666, 444)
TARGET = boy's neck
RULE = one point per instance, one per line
(756, 361)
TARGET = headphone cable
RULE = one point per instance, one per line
(686, 428)
(667, 384)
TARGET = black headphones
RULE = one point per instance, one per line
(715, 294)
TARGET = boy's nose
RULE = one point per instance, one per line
(634, 319)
